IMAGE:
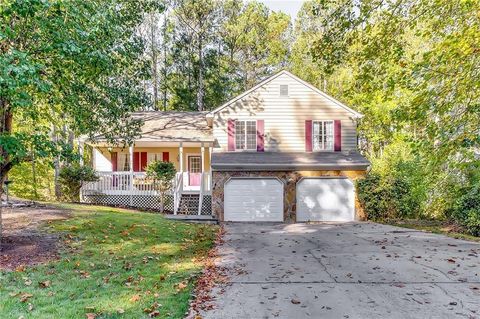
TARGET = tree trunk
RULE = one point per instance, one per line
(153, 47)
(6, 164)
(201, 89)
(34, 177)
(1, 218)
(56, 165)
(165, 62)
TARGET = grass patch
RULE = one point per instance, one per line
(434, 226)
(114, 263)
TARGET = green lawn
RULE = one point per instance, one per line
(433, 226)
(114, 263)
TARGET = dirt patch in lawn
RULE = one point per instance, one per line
(24, 241)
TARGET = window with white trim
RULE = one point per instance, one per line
(246, 135)
(153, 157)
(123, 162)
(322, 135)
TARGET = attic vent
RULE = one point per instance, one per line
(283, 90)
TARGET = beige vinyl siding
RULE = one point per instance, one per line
(284, 116)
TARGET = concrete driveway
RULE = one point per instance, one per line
(353, 270)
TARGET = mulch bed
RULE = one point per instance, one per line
(24, 242)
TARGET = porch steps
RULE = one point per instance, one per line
(204, 219)
(189, 204)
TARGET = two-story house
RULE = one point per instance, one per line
(281, 151)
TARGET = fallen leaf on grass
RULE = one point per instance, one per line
(135, 298)
(181, 286)
(44, 284)
(127, 265)
(20, 268)
(90, 315)
(25, 296)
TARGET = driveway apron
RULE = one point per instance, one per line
(350, 270)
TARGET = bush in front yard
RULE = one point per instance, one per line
(467, 210)
(162, 174)
(72, 177)
(389, 196)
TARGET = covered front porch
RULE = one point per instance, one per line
(123, 181)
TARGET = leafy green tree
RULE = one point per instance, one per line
(162, 175)
(74, 63)
(412, 68)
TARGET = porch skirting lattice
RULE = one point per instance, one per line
(141, 201)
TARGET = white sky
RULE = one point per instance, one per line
(290, 7)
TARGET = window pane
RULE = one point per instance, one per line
(240, 134)
(323, 138)
(251, 135)
(316, 128)
(328, 135)
(195, 163)
(316, 137)
(123, 162)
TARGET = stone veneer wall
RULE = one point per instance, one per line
(290, 179)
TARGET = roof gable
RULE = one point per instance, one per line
(284, 72)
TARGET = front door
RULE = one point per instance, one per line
(194, 170)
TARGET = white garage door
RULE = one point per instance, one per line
(325, 199)
(253, 199)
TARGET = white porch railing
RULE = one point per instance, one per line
(126, 183)
(119, 183)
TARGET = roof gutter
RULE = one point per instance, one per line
(287, 167)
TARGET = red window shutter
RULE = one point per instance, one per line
(114, 161)
(166, 156)
(143, 161)
(136, 161)
(231, 135)
(337, 131)
(260, 135)
(308, 136)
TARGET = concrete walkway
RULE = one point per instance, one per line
(354, 270)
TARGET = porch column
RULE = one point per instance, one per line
(130, 149)
(80, 150)
(203, 157)
(210, 148)
(210, 156)
(180, 157)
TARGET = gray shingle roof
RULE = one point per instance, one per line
(174, 126)
(261, 161)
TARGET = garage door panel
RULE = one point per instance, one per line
(325, 199)
(253, 200)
